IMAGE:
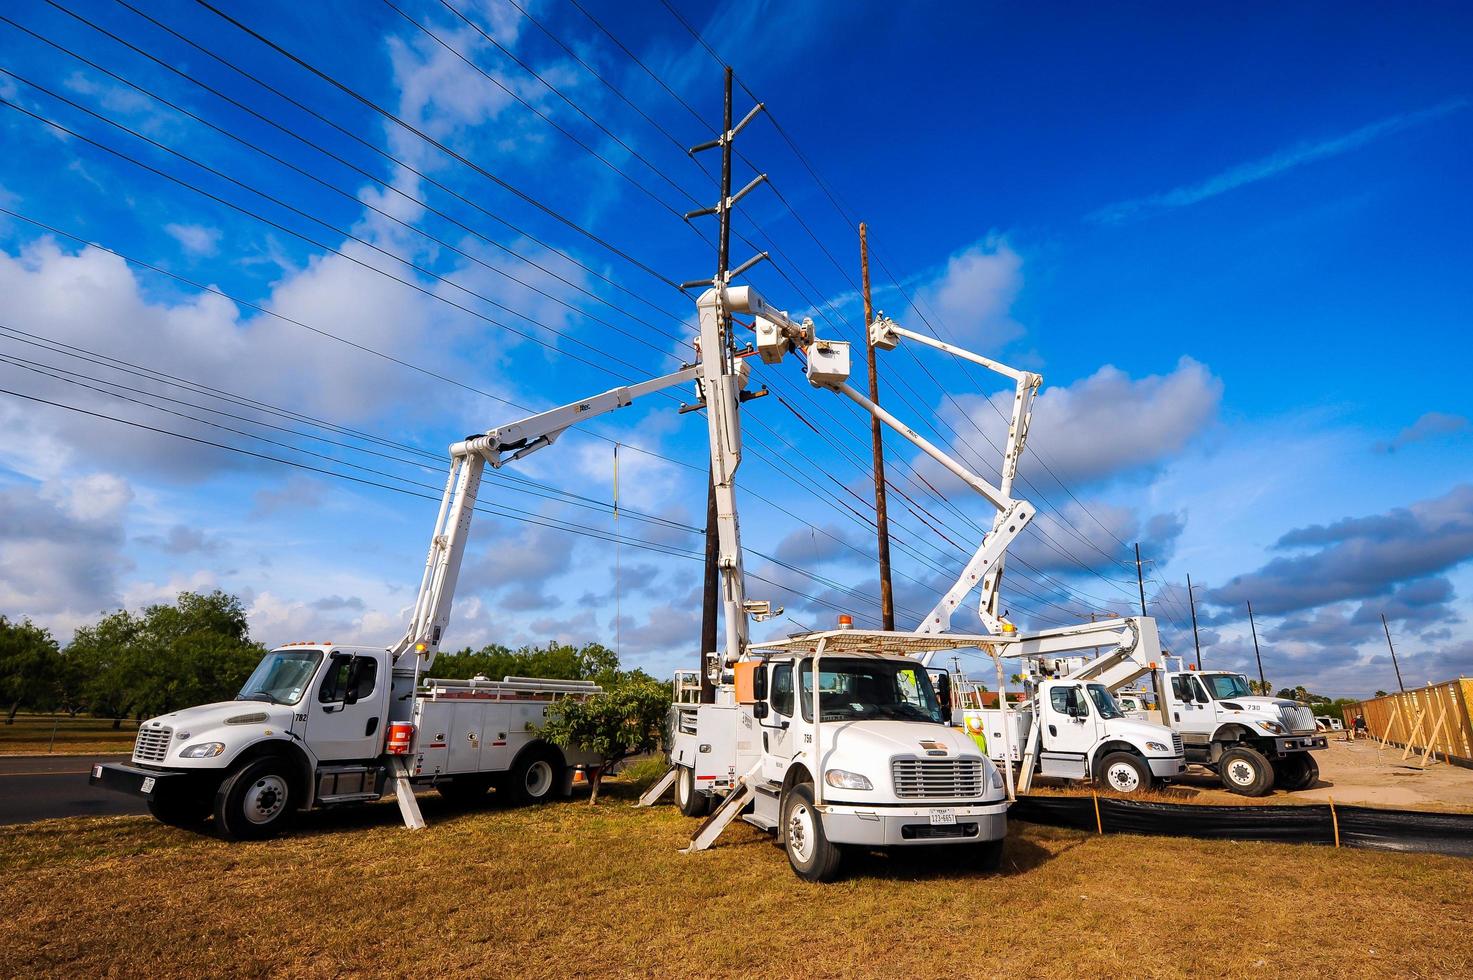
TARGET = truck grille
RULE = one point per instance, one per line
(152, 744)
(1297, 719)
(936, 778)
(1176, 743)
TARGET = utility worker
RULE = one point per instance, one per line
(974, 727)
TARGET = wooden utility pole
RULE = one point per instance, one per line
(1140, 579)
(1262, 683)
(882, 519)
(1394, 664)
(709, 594)
(1192, 603)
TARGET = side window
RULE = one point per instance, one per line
(1179, 688)
(1201, 692)
(782, 689)
(1059, 696)
(343, 678)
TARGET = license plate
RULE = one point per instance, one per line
(943, 818)
(148, 781)
(96, 772)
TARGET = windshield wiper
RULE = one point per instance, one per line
(258, 696)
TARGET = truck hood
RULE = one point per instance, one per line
(209, 723)
(894, 739)
(1141, 732)
(202, 717)
(1291, 714)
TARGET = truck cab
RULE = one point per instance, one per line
(1252, 742)
(864, 757)
(1085, 734)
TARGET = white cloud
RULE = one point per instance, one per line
(195, 239)
(974, 293)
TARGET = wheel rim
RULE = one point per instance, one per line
(1123, 777)
(539, 778)
(265, 800)
(1240, 772)
(801, 832)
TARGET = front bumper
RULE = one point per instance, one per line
(895, 826)
(1166, 768)
(1300, 743)
(121, 777)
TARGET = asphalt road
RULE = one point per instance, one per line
(39, 787)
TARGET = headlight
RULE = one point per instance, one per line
(843, 779)
(1271, 726)
(204, 750)
(997, 782)
(1158, 747)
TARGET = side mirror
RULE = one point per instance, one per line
(759, 710)
(350, 689)
(943, 694)
(759, 686)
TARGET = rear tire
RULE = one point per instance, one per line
(1245, 771)
(1296, 772)
(810, 853)
(187, 811)
(534, 778)
(1124, 772)
(256, 802)
(691, 803)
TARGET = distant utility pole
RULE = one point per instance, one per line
(1393, 654)
(1192, 603)
(1140, 579)
(1262, 684)
(882, 519)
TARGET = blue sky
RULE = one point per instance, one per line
(1232, 241)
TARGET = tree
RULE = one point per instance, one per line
(1381, 694)
(27, 655)
(1287, 693)
(627, 718)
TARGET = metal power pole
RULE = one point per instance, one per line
(882, 519)
(1140, 579)
(1399, 684)
(1262, 683)
(710, 596)
(1192, 604)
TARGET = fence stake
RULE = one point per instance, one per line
(1335, 821)
(1099, 827)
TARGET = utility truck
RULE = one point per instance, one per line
(1253, 743)
(326, 724)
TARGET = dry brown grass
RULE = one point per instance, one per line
(569, 889)
(36, 734)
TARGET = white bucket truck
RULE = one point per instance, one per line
(324, 724)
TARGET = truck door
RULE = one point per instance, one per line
(777, 737)
(1069, 730)
(345, 719)
(1191, 710)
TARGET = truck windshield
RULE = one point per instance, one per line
(1104, 703)
(849, 689)
(1223, 686)
(281, 677)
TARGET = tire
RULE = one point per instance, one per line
(464, 790)
(1296, 772)
(691, 803)
(1245, 771)
(810, 853)
(256, 802)
(534, 778)
(184, 810)
(1124, 772)
(985, 857)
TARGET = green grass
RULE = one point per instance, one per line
(82, 735)
(569, 889)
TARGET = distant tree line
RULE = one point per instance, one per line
(198, 650)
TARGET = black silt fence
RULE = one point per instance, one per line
(1382, 830)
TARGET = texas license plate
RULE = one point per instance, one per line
(943, 818)
(96, 772)
(148, 781)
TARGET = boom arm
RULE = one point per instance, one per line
(468, 459)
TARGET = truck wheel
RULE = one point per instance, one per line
(184, 810)
(985, 857)
(257, 801)
(810, 853)
(1296, 772)
(464, 790)
(691, 803)
(534, 778)
(1124, 772)
(1245, 771)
